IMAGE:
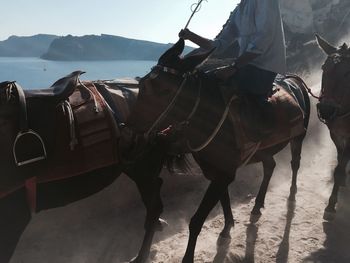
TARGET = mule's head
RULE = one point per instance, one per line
(159, 87)
(335, 89)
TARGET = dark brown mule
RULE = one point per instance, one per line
(334, 109)
(79, 157)
(169, 95)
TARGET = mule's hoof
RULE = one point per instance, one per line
(342, 183)
(187, 260)
(254, 217)
(161, 224)
(134, 260)
(138, 259)
(256, 211)
(329, 214)
(225, 234)
(223, 241)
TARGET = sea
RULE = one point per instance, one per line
(35, 73)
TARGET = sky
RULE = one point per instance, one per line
(154, 20)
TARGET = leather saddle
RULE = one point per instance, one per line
(286, 113)
(59, 91)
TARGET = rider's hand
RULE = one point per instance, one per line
(185, 33)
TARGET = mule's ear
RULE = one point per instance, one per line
(325, 46)
(174, 51)
(190, 62)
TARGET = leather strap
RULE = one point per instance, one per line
(23, 115)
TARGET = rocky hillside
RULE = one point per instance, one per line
(104, 47)
(303, 18)
(32, 46)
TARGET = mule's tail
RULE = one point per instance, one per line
(305, 92)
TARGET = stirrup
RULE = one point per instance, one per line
(23, 154)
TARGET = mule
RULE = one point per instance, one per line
(53, 152)
(334, 110)
(185, 105)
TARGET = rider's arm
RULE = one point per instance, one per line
(226, 72)
(204, 43)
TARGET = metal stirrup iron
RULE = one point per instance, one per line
(23, 154)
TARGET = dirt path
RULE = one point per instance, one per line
(107, 227)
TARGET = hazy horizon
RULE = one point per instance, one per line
(156, 21)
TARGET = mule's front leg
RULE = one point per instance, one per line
(339, 174)
(339, 180)
(229, 221)
(150, 194)
(269, 165)
(213, 194)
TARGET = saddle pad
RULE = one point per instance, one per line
(119, 98)
(289, 119)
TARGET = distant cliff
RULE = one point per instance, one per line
(104, 47)
(32, 46)
(302, 19)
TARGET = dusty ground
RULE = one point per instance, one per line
(107, 227)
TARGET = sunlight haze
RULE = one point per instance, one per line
(154, 20)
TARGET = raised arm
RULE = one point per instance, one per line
(197, 39)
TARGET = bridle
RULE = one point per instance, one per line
(153, 133)
(184, 123)
(165, 113)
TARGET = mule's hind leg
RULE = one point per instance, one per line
(213, 194)
(229, 221)
(150, 194)
(295, 147)
(269, 165)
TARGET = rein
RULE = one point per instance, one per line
(216, 130)
(193, 111)
(171, 104)
(312, 94)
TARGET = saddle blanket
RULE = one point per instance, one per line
(288, 118)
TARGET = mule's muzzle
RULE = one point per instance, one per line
(326, 111)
